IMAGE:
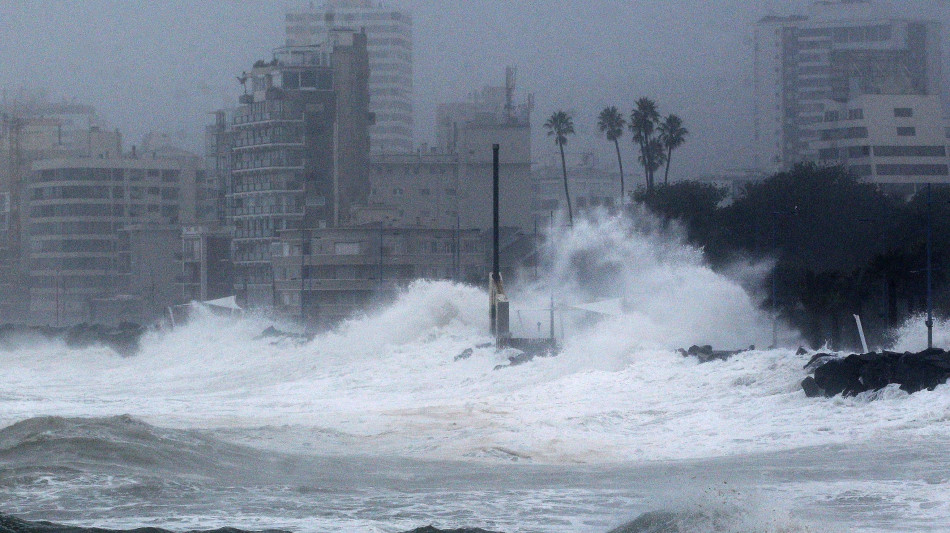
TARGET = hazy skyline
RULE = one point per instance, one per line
(166, 66)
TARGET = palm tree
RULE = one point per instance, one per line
(672, 134)
(643, 122)
(611, 123)
(653, 158)
(559, 126)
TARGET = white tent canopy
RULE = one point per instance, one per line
(226, 305)
(229, 302)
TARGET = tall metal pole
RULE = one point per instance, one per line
(495, 244)
(59, 279)
(930, 310)
(380, 266)
(551, 288)
(774, 286)
(493, 282)
(303, 316)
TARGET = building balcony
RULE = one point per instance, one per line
(270, 167)
(373, 259)
(341, 285)
(257, 121)
(243, 191)
(262, 145)
(271, 211)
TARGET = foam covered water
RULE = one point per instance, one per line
(387, 385)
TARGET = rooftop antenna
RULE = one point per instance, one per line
(242, 79)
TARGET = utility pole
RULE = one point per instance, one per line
(774, 286)
(303, 314)
(930, 310)
(551, 288)
(493, 282)
(59, 278)
(775, 219)
(458, 246)
(380, 262)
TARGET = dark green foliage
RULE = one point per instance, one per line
(693, 203)
(841, 246)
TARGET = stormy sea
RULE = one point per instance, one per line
(407, 417)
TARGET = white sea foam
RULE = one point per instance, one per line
(911, 336)
(388, 383)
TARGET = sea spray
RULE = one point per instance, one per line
(388, 383)
(911, 336)
(669, 296)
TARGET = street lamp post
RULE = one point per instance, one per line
(882, 242)
(775, 217)
(774, 287)
(930, 316)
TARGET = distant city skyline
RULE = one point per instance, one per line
(170, 73)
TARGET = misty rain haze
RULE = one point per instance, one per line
(475, 266)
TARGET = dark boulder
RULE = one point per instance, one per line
(812, 390)
(706, 353)
(857, 373)
(528, 350)
(273, 333)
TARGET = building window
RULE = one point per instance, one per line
(346, 248)
(855, 114)
(913, 170)
(859, 151)
(906, 132)
(844, 133)
(903, 112)
(910, 151)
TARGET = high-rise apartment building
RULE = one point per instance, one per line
(840, 51)
(77, 209)
(299, 151)
(389, 33)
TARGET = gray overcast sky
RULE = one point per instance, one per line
(153, 65)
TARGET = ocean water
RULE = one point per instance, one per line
(375, 426)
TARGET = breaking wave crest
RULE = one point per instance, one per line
(388, 383)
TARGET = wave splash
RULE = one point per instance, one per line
(387, 383)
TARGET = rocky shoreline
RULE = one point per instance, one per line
(857, 373)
